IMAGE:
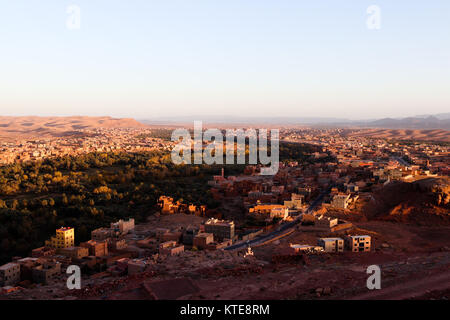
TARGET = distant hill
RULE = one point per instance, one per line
(438, 121)
(440, 116)
(401, 134)
(430, 122)
(32, 126)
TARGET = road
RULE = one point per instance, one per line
(402, 161)
(282, 229)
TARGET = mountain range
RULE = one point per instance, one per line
(437, 121)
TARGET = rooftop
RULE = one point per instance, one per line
(8, 265)
(65, 228)
(219, 222)
(330, 239)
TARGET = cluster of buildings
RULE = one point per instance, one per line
(168, 206)
(392, 160)
(162, 243)
(353, 243)
(47, 263)
(211, 235)
(352, 166)
(81, 142)
(348, 166)
(115, 250)
(279, 211)
(358, 243)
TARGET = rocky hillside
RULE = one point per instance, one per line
(423, 202)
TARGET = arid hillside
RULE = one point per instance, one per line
(423, 202)
(402, 134)
(31, 127)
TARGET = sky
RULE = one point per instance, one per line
(147, 59)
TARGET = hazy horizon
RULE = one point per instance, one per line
(208, 117)
(153, 59)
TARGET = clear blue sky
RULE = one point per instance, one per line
(151, 58)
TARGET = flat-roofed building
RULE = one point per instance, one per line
(117, 244)
(170, 248)
(340, 201)
(166, 204)
(9, 274)
(65, 237)
(270, 211)
(96, 248)
(295, 202)
(331, 244)
(43, 252)
(360, 243)
(46, 272)
(123, 226)
(26, 267)
(306, 248)
(202, 240)
(137, 266)
(325, 222)
(189, 235)
(102, 234)
(221, 229)
(75, 252)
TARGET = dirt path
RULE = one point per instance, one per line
(410, 289)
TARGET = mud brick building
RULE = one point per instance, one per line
(65, 237)
(221, 229)
(123, 226)
(358, 243)
(170, 248)
(96, 248)
(46, 272)
(9, 274)
(331, 244)
(75, 252)
(202, 240)
(43, 252)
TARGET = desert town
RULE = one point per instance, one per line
(325, 217)
(84, 141)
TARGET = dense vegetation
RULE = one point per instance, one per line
(300, 152)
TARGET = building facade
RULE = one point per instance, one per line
(75, 252)
(340, 201)
(170, 248)
(358, 243)
(65, 238)
(96, 248)
(331, 244)
(9, 274)
(221, 229)
(202, 240)
(123, 226)
(46, 272)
